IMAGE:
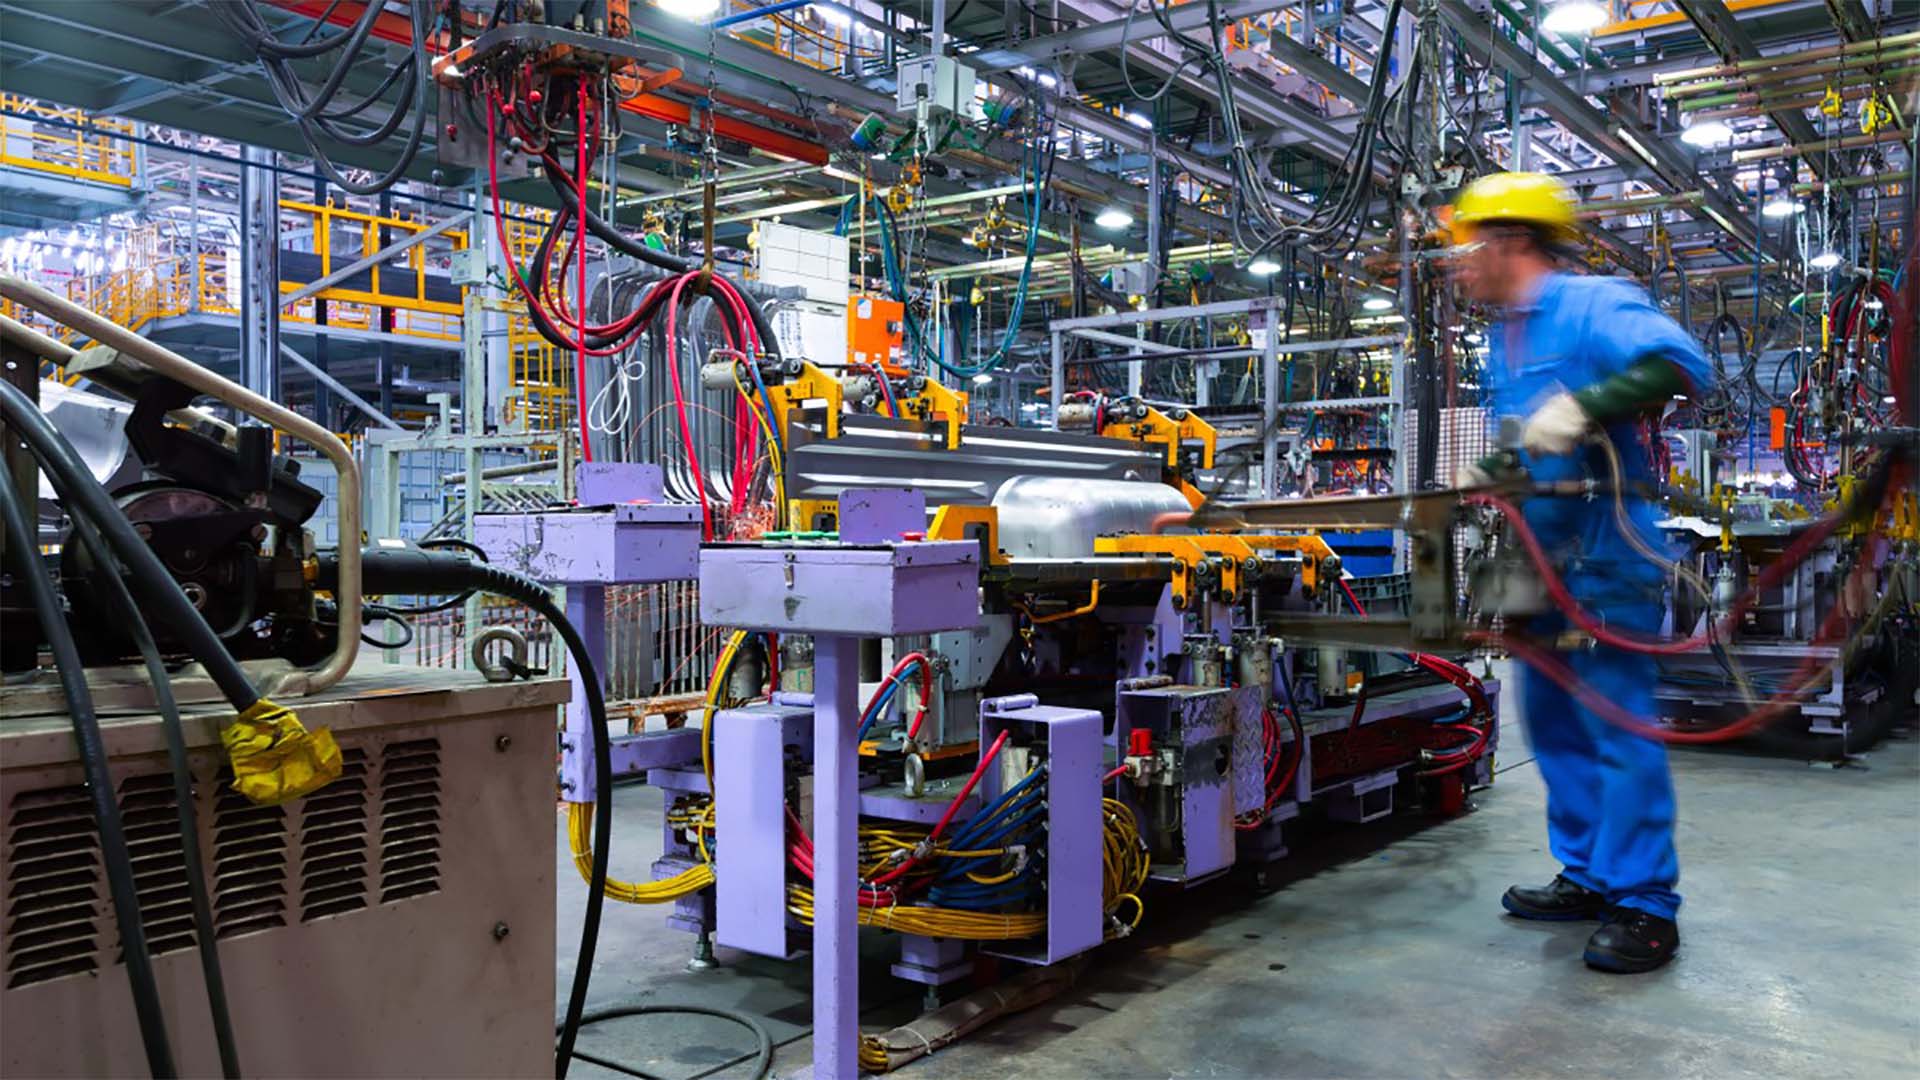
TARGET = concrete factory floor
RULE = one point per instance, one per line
(1384, 953)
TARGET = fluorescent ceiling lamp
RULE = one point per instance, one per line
(1627, 137)
(1377, 303)
(688, 9)
(983, 379)
(1113, 218)
(1707, 133)
(1574, 17)
(1263, 267)
(1781, 205)
(1826, 260)
(1139, 120)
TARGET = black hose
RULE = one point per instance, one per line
(385, 569)
(157, 588)
(527, 591)
(626, 245)
(107, 573)
(24, 546)
(763, 1053)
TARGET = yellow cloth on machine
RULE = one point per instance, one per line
(275, 758)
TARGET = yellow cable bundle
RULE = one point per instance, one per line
(1126, 862)
(932, 921)
(580, 838)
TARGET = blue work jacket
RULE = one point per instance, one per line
(1574, 332)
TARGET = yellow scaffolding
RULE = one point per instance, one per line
(78, 146)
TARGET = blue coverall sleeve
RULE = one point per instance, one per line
(1627, 328)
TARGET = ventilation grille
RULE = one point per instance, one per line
(150, 815)
(249, 864)
(409, 819)
(53, 890)
(333, 843)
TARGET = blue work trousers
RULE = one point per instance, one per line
(1610, 804)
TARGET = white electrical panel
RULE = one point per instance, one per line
(812, 331)
(945, 84)
(814, 261)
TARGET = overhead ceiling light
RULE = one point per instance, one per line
(1575, 17)
(1707, 133)
(1627, 137)
(1139, 120)
(1377, 303)
(688, 9)
(1826, 260)
(1113, 218)
(1781, 205)
(983, 379)
(1263, 267)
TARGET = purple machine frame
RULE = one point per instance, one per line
(1075, 849)
(622, 532)
(872, 584)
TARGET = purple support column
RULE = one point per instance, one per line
(587, 610)
(836, 822)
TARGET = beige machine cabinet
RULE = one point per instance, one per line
(398, 922)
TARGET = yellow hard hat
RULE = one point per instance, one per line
(1526, 197)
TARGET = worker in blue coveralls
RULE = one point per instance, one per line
(1582, 358)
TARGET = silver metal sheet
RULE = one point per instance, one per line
(878, 451)
(1058, 517)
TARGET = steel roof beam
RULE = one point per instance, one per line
(1616, 135)
(1727, 38)
(1101, 37)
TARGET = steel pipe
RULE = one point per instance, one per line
(1851, 142)
(1767, 62)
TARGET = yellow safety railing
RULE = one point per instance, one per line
(340, 237)
(163, 276)
(542, 383)
(72, 144)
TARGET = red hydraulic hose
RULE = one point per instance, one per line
(580, 356)
(1802, 680)
(1582, 618)
(680, 407)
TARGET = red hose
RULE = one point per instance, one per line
(580, 357)
(1582, 618)
(680, 407)
(1544, 662)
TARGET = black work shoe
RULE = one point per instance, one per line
(1632, 941)
(1558, 900)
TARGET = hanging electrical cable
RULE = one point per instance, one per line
(312, 112)
(22, 544)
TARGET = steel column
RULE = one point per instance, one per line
(1057, 377)
(1270, 412)
(259, 274)
(587, 610)
(836, 817)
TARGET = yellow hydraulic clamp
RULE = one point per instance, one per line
(1197, 559)
(935, 402)
(1158, 427)
(810, 384)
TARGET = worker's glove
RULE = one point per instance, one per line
(1556, 427)
(1471, 476)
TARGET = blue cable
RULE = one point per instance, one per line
(766, 402)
